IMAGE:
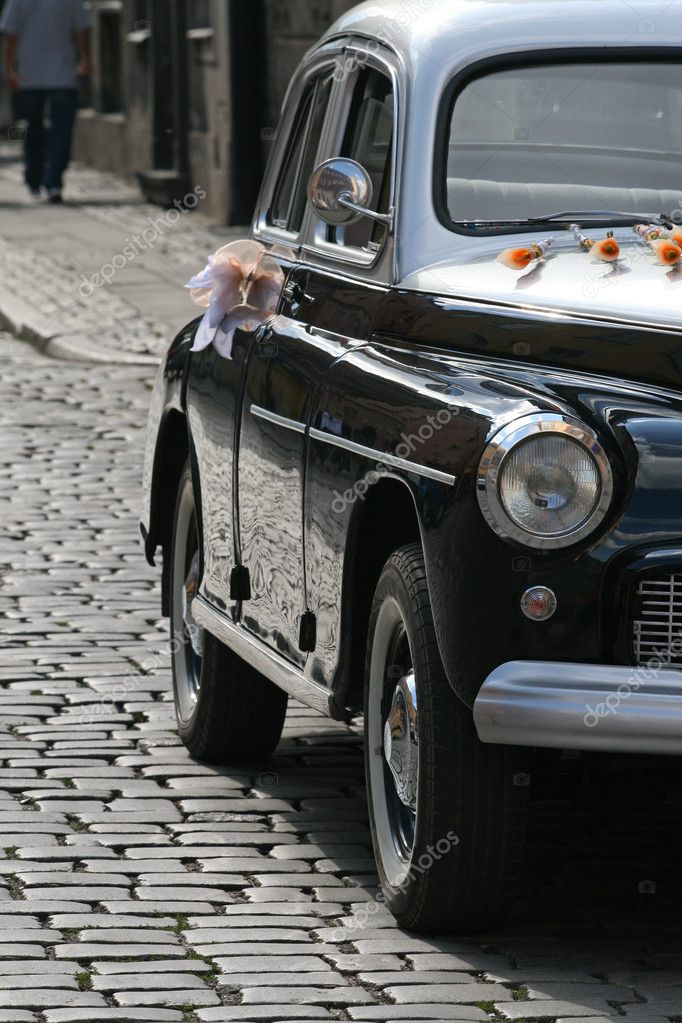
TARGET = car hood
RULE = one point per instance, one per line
(635, 290)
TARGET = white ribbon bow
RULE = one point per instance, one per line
(239, 287)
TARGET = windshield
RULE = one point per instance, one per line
(528, 141)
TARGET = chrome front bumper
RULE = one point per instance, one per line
(581, 706)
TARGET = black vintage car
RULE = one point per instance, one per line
(428, 463)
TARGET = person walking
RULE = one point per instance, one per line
(45, 52)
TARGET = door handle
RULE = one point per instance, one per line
(293, 292)
(294, 295)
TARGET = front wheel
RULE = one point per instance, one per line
(226, 712)
(447, 812)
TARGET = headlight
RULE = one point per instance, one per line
(545, 481)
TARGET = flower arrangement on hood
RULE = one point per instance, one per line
(607, 250)
(239, 287)
(666, 249)
(519, 259)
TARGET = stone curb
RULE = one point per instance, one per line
(16, 318)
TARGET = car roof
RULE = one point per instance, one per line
(430, 28)
(436, 40)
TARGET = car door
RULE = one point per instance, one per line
(284, 368)
(359, 268)
(327, 310)
(287, 365)
(215, 392)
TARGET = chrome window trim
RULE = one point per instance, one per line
(506, 440)
(314, 65)
(331, 251)
(273, 417)
(339, 254)
(383, 457)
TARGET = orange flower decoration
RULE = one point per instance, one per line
(607, 250)
(519, 259)
(659, 240)
(516, 259)
(667, 252)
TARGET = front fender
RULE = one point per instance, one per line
(165, 427)
(437, 413)
(476, 580)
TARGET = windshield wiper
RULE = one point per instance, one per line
(581, 216)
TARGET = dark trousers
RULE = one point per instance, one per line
(47, 154)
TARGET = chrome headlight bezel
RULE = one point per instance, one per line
(504, 443)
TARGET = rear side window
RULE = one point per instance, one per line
(289, 202)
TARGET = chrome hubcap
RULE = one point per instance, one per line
(400, 736)
(401, 741)
(189, 592)
(392, 735)
(188, 637)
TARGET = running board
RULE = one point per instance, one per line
(261, 657)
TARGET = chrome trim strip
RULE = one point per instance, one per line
(581, 706)
(268, 662)
(382, 457)
(272, 417)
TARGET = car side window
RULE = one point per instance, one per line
(289, 202)
(368, 139)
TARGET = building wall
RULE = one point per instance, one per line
(117, 141)
(292, 27)
(210, 120)
(137, 86)
(7, 119)
(238, 57)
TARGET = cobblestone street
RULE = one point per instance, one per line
(101, 277)
(137, 885)
(363, 319)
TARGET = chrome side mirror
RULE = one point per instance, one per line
(340, 191)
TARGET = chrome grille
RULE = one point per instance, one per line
(657, 620)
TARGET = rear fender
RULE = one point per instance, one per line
(167, 443)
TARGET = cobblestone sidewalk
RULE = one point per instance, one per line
(101, 277)
(137, 885)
